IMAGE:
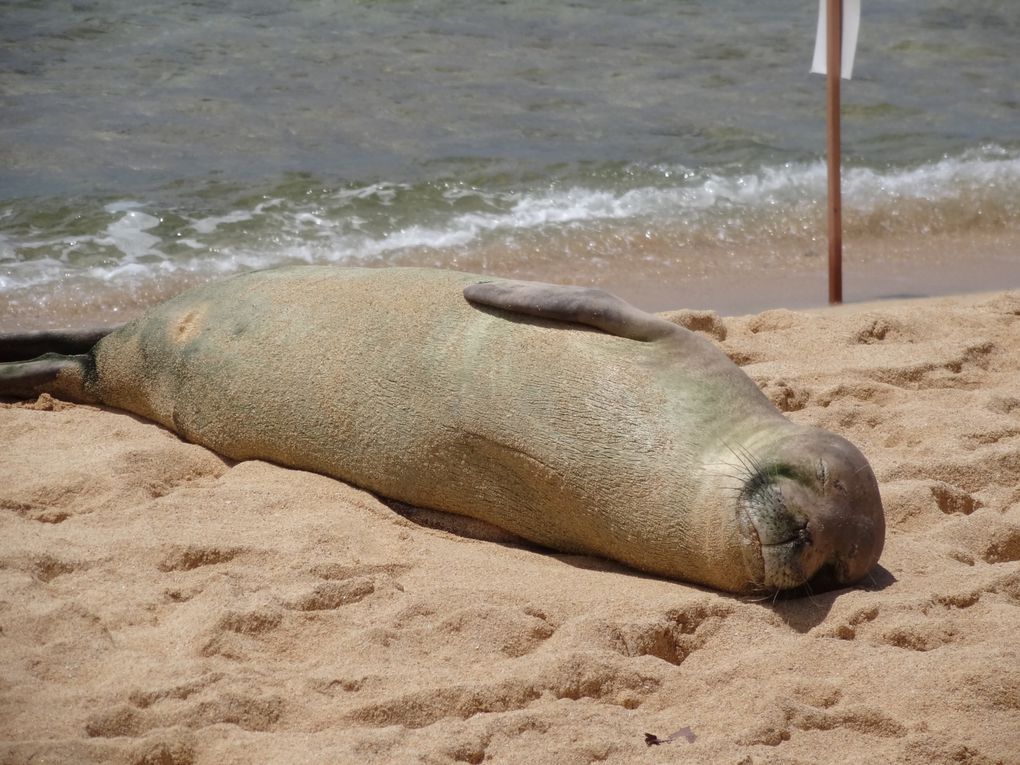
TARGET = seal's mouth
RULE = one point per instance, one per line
(779, 536)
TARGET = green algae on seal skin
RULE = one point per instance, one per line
(561, 414)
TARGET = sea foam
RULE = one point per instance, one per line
(136, 242)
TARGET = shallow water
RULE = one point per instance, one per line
(145, 147)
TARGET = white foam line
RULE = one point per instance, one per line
(124, 205)
(213, 222)
(713, 204)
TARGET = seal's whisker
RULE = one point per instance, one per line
(746, 459)
(809, 593)
(740, 474)
(862, 468)
(734, 481)
(758, 595)
(726, 467)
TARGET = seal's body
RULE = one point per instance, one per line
(558, 413)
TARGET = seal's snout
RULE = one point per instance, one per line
(815, 509)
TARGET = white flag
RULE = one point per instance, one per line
(851, 21)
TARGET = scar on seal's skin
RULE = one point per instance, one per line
(189, 325)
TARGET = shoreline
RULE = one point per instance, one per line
(727, 283)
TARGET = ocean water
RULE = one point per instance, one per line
(662, 148)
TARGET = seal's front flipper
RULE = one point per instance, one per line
(63, 376)
(580, 305)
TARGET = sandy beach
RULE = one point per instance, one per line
(159, 604)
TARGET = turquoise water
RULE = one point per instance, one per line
(148, 146)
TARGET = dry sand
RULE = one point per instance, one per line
(161, 605)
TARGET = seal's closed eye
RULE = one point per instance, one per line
(579, 305)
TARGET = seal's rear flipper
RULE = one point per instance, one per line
(20, 346)
(63, 376)
(580, 305)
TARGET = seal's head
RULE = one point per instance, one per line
(809, 510)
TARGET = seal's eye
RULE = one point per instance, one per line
(822, 471)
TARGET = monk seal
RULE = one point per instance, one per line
(561, 414)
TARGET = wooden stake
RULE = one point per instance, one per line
(834, 53)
